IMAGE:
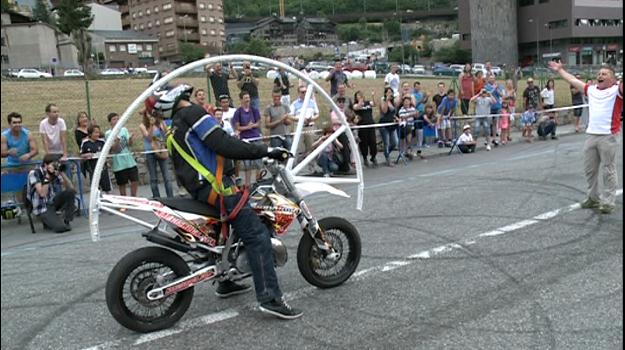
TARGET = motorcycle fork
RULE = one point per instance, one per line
(311, 227)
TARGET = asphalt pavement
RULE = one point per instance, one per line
(480, 251)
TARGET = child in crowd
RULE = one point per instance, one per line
(429, 124)
(504, 122)
(527, 120)
(330, 158)
(90, 149)
(407, 114)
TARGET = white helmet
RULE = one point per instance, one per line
(168, 99)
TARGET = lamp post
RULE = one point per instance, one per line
(184, 26)
(531, 20)
(548, 26)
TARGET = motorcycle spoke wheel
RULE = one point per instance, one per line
(139, 283)
(321, 270)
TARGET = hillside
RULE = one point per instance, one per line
(236, 9)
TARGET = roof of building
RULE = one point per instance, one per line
(123, 35)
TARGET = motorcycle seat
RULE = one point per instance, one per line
(190, 206)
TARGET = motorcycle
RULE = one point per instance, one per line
(152, 287)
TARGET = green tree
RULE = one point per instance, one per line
(41, 12)
(191, 52)
(254, 46)
(74, 17)
(453, 54)
(5, 6)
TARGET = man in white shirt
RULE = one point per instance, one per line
(310, 115)
(227, 111)
(53, 132)
(605, 108)
(465, 142)
(392, 80)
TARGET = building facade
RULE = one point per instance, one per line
(125, 49)
(579, 32)
(286, 31)
(199, 22)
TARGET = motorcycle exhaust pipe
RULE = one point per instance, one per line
(158, 237)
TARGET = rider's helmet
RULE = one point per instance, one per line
(165, 101)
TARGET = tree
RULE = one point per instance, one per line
(254, 46)
(74, 17)
(6, 6)
(41, 13)
(191, 52)
(453, 54)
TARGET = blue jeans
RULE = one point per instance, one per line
(255, 102)
(277, 142)
(152, 162)
(390, 139)
(257, 242)
(327, 165)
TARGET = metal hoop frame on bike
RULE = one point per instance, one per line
(294, 169)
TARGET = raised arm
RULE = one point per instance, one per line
(558, 67)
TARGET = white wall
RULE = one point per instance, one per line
(105, 18)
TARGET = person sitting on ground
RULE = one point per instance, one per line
(45, 192)
(465, 142)
(546, 126)
(18, 144)
(330, 158)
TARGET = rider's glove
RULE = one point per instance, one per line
(278, 153)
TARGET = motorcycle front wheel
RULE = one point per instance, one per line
(136, 274)
(321, 271)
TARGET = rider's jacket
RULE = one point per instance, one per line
(200, 136)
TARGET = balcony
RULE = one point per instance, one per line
(185, 8)
(188, 22)
(190, 37)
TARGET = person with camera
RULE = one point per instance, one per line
(249, 83)
(203, 155)
(50, 190)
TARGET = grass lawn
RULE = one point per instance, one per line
(29, 98)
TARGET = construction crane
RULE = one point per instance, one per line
(281, 8)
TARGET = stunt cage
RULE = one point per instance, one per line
(111, 204)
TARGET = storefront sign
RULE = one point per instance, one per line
(574, 49)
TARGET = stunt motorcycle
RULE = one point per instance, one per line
(151, 288)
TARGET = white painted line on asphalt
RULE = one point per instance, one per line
(157, 335)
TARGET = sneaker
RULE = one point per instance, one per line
(488, 147)
(365, 163)
(374, 162)
(227, 289)
(590, 203)
(606, 208)
(554, 137)
(280, 309)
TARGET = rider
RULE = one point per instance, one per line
(202, 153)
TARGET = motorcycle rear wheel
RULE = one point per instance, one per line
(137, 273)
(324, 273)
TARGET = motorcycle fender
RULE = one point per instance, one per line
(308, 188)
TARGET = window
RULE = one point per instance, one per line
(141, 26)
(201, 6)
(149, 24)
(157, 23)
(147, 12)
(526, 3)
(140, 14)
(563, 23)
(122, 48)
(202, 18)
(112, 48)
(211, 19)
(139, 47)
(213, 32)
(155, 9)
(221, 32)
(204, 32)
(134, 15)
(168, 20)
(166, 6)
(136, 27)
(204, 43)
(220, 20)
(148, 47)
(170, 33)
(210, 6)
(160, 49)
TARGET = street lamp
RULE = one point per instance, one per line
(531, 20)
(548, 26)
(184, 26)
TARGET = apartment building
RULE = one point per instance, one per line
(173, 22)
(579, 32)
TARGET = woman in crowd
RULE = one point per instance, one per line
(388, 114)
(154, 132)
(364, 110)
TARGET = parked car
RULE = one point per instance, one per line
(444, 70)
(112, 71)
(418, 69)
(497, 70)
(146, 71)
(356, 66)
(381, 67)
(458, 68)
(73, 73)
(32, 73)
(318, 66)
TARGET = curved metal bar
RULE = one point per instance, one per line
(94, 196)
